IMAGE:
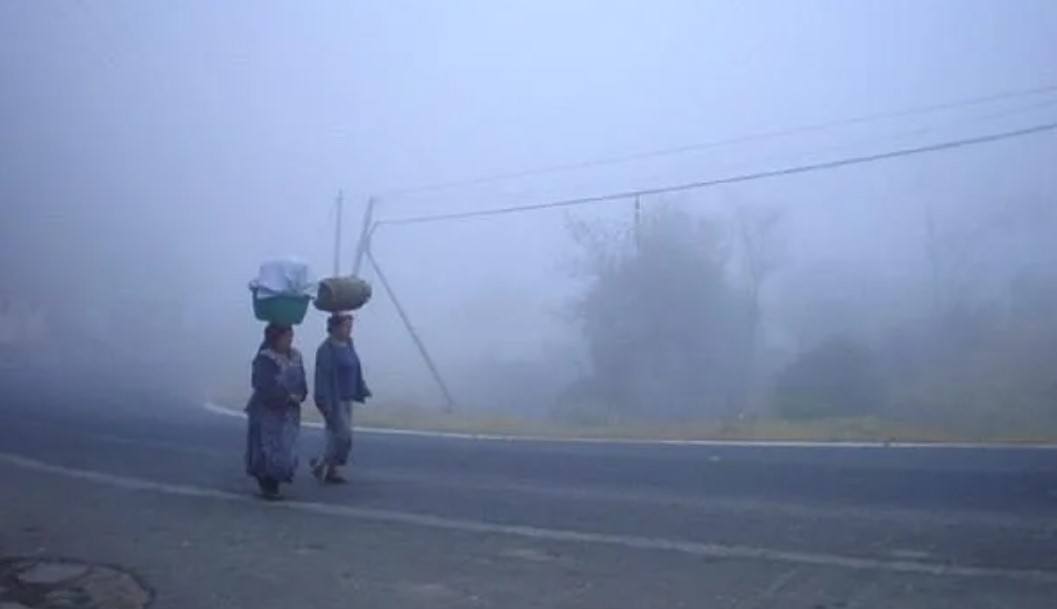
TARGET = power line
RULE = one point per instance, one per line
(748, 177)
(753, 137)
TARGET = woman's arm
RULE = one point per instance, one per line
(324, 375)
(363, 392)
(302, 389)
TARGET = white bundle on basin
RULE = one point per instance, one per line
(288, 277)
(282, 291)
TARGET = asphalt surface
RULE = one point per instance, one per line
(121, 472)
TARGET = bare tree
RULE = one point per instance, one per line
(664, 324)
(757, 229)
(958, 249)
(757, 233)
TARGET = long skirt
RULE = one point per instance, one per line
(338, 435)
(271, 442)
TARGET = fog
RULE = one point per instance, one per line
(154, 154)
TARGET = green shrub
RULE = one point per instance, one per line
(837, 378)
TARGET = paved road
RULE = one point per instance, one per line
(558, 524)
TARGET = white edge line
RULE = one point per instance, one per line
(221, 410)
(693, 548)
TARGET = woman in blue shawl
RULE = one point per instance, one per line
(274, 411)
(338, 384)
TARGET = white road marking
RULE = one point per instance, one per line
(490, 483)
(705, 550)
(221, 410)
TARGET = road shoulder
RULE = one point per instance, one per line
(210, 552)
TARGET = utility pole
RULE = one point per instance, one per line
(932, 252)
(340, 204)
(366, 230)
(363, 252)
(638, 221)
(449, 401)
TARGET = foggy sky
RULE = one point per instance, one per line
(195, 139)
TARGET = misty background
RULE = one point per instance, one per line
(152, 155)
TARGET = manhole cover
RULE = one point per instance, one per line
(32, 583)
